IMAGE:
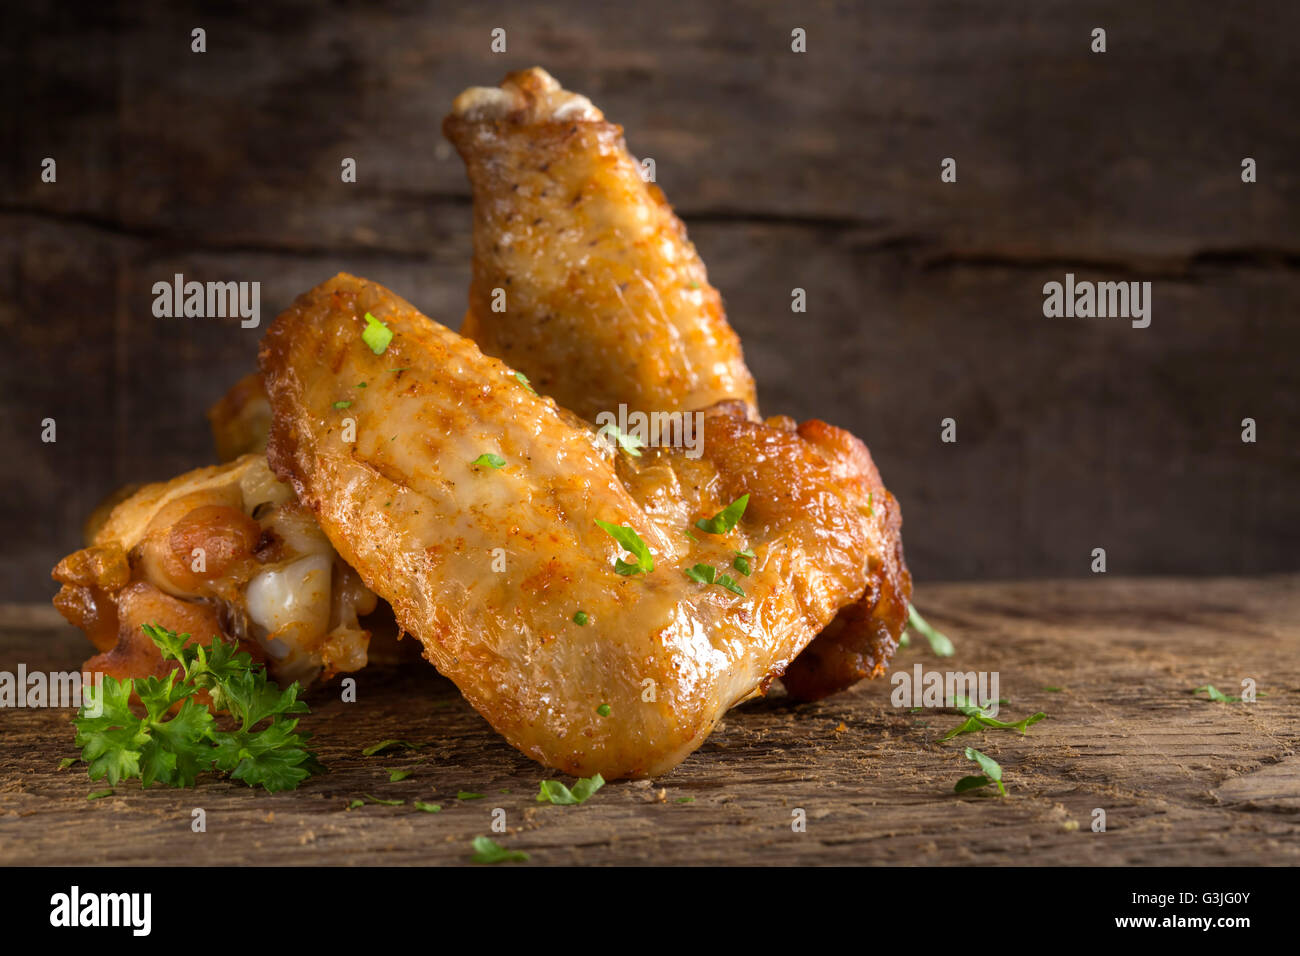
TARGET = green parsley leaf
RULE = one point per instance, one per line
(730, 584)
(466, 795)
(560, 795)
(992, 773)
(178, 738)
(629, 443)
(383, 803)
(522, 379)
(938, 642)
(603, 710)
(388, 745)
(971, 783)
(427, 807)
(741, 563)
(353, 804)
(685, 800)
(342, 404)
(704, 574)
(1213, 693)
(581, 619)
(99, 794)
(726, 519)
(360, 385)
(396, 775)
(632, 543)
(489, 460)
(377, 335)
(978, 718)
(67, 762)
(1054, 690)
(487, 850)
(701, 573)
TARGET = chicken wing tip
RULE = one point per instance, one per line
(531, 95)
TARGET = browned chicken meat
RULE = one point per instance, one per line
(475, 507)
(584, 280)
(221, 550)
(583, 277)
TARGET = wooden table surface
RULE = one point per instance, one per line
(1182, 780)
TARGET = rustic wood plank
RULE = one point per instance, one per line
(1072, 434)
(1062, 153)
(1182, 780)
(817, 171)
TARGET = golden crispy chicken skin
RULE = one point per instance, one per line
(488, 566)
(607, 303)
(223, 550)
(583, 278)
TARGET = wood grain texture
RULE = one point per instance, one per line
(1182, 780)
(817, 171)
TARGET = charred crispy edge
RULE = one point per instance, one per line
(859, 643)
(860, 640)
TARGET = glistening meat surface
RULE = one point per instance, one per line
(397, 482)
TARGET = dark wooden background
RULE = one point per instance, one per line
(819, 171)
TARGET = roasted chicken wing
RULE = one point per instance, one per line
(221, 550)
(583, 278)
(474, 507)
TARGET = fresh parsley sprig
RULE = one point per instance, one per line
(178, 738)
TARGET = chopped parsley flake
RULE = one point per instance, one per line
(522, 379)
(377, 335)
(629, 443)
(553, 791)
(938, 642)
(726, 519)
(992, 773)
(388, 745)
(487, 850)
(489, 460)
(704, 574)
(632, 543)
